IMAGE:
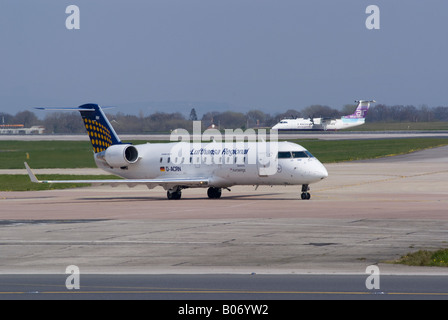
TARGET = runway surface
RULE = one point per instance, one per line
(365, 213)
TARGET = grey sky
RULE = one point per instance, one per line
(234, 54)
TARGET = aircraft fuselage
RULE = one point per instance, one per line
(222, 165)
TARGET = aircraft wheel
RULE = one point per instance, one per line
(173, 195)
(214, 193)
(305, 196)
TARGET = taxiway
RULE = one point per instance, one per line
(364, 213)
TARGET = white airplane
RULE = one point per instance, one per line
(327, 124)
(180, 165)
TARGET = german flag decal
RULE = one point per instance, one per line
(162, 169)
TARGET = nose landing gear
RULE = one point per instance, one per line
(305, 194)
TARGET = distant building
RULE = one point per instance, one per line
(19, 129)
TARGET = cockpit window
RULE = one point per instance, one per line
(284, 155)
(294, 154)
(309, 154)
(299, 154)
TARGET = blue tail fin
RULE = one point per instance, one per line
(101, 133)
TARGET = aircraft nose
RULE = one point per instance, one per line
(323, 172)
(320, 172)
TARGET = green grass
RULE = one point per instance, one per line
(23, 183)
(78, 154)
(437, 258)
(400, 126)
(46, 154)
(348, 150)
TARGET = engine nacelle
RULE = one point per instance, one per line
(121, 155)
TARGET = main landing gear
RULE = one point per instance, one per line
(174, 194)
(305, 194)
(214, 193)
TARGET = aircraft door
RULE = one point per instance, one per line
(267, 163)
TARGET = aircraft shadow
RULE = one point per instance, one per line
(186, 198)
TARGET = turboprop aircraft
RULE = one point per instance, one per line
(180, 165)
(327, 124)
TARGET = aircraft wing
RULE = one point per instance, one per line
(130, 182)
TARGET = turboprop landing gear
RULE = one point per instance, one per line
(305, 194)
(174, 194)
(214, 193)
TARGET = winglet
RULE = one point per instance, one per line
(31, 174)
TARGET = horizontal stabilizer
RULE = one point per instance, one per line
(101, 133)
(69, 108)
(31, 174)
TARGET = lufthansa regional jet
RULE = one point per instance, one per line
(326, 124)
(180, 165)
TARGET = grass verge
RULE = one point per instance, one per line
(426, 258)
(78, 154)
(23, 183)
(349, 150)
(402, 126)
(46, 154)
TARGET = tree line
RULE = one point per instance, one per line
(70, 122)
